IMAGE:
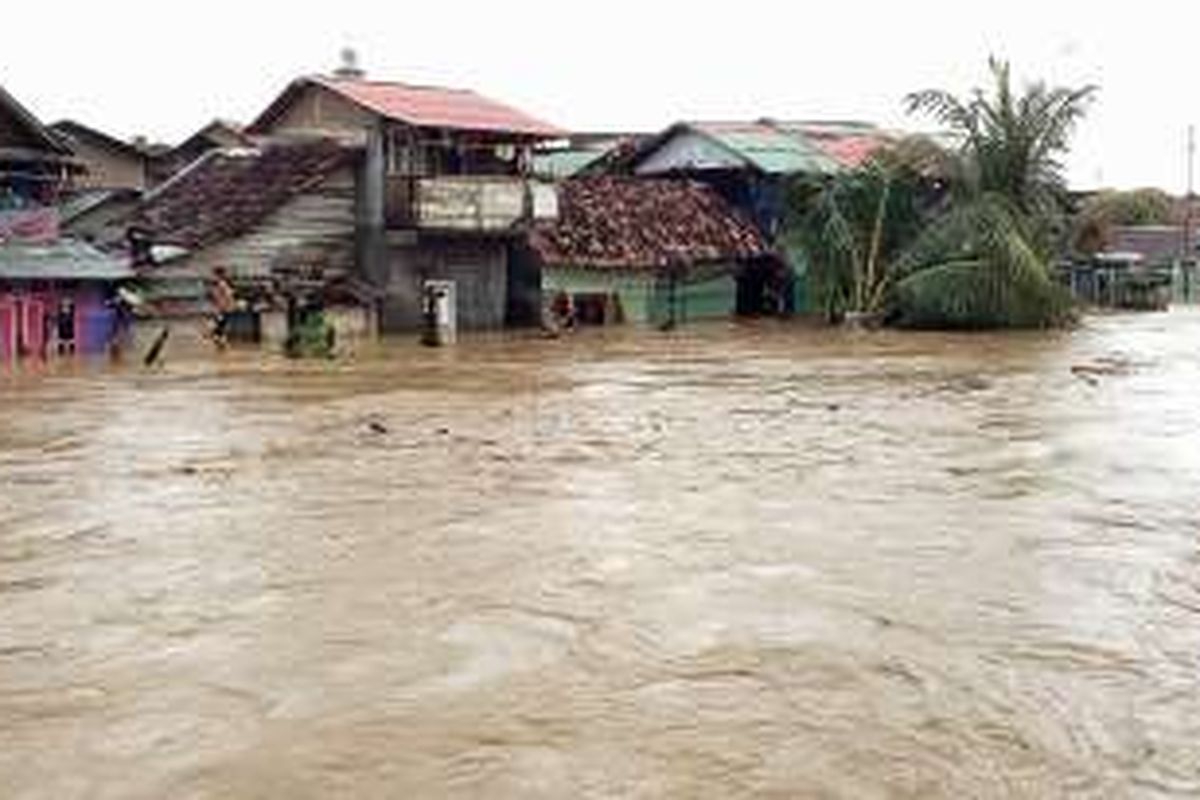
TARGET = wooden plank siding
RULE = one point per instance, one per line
(107, 169)
(320, 111)
(323, 217)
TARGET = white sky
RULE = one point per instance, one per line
(164, 69)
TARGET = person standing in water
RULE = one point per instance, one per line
(224, 303)
(65, 326)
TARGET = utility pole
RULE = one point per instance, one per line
(1188, 250)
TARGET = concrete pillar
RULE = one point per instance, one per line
(372, 229)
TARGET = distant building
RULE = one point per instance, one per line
(106, 162)
(580, 152)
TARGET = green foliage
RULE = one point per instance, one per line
(1012, 143)
(888, 238)
(986, 262)
(974, 268)
(852, 227)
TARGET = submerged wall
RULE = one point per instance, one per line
(647, 298)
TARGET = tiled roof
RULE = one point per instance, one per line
(643, 223)
(227, 192)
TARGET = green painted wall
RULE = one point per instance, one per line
(645, 299)
(801, 291)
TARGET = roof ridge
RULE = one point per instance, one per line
(428, 87)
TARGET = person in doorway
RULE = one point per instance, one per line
(65, 326)
(224, 303)
(563, 311)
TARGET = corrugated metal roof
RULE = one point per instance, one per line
(772, 150)
(435, 107)
(563, 163)
(850, 144)
(65, 259)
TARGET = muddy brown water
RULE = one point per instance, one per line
(725, 562)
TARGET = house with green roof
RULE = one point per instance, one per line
(749, 164)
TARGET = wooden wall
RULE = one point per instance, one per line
(322, 217)
(478, 266)
(108, 169)
(320, 111)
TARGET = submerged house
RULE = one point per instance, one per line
(1139, 266)
(272, 218)
(57, 297)
(54, 293)
(445, 189)
(658, 251)
(749, 164)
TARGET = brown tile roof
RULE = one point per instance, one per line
(643, 223)
(227, 192)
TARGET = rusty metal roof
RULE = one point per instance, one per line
(421, 106)
(850, 144)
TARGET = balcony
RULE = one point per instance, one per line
(467, 203)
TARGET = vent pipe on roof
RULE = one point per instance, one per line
(349, 69)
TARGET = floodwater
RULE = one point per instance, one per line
(725, 562)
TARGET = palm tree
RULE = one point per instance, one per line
(1011, 145)
(852, 227)
(985, 262)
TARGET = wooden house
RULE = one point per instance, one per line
(36, 169)
(266, 216)
(444, 189)
(645, 250)
(749, 164)
(106, 162)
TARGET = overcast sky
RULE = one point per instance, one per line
(163, 69)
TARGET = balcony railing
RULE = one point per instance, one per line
(467, 203)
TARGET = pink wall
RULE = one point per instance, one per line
(26, 313)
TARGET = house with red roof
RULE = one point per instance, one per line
(445, 188)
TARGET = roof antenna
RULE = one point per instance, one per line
(349, 69)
